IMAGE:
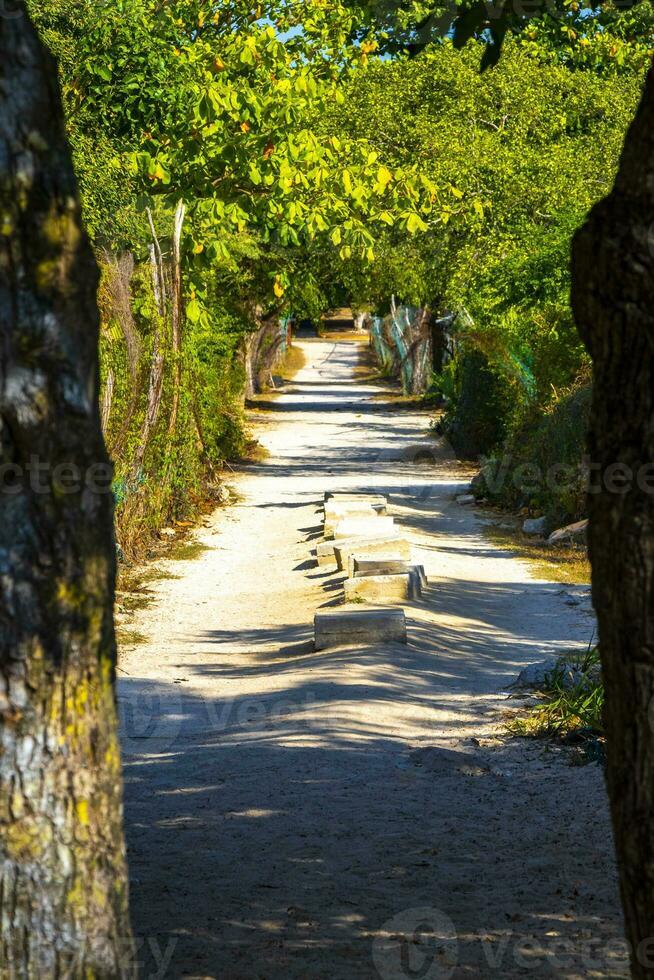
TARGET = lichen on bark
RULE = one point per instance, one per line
(63, 879)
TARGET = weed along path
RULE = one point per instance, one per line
(352, 813)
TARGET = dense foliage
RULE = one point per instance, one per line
(205, 179)
(523, 152)
(303, 167)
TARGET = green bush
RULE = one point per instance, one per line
(542, 464)
(167, 475)
(484, 407)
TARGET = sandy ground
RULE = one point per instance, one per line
(293, 814)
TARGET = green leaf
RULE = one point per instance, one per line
(415, 223)
(193, 311)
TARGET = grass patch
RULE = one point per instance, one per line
(294, 360)
(571, 713)
(129, 638)
(187, 551)
(132, 602)
(136, 580)
(565, 563)
(157, 575)
(255, 452)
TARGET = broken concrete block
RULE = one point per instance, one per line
(383, 588)
(379, 566)
(385, 566)
(389, 553)
(334, 515)
(353, 627)
(376, 500)
(349, 507)
(325, 553)
(337, 552)
(364, 527)
(378, 504)
(386, 547)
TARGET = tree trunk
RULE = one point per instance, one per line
(118, 287)
(157, 361)
(177, 315)
(63, 882)
(613, 300)
(107, 400)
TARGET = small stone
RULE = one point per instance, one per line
(570, 534)
(465, 498)
(567, 672)
(535, 526)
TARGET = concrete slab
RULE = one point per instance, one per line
(383, 588)
(376, 500)
(338, 627)
(384, 547)
(334, 515)
(325, 553)
(364, 527)
(385, 566)
(379, 566)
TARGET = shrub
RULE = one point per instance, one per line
(484, 408)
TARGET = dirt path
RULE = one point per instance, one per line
(287, 814)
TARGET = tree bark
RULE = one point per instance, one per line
(613, 301)
(63, 881)
(157, 360)
(177, 316)
(107, 400)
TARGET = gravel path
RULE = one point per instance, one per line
(301, 815)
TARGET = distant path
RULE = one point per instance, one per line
(279, 826)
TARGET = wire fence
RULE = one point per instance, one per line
(403, 345)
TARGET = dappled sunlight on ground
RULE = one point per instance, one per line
(290, 813)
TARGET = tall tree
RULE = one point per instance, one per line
(612, 293)
(63, 882)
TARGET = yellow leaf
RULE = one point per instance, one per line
(245, 127)
(278, 289)
(384, 176)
